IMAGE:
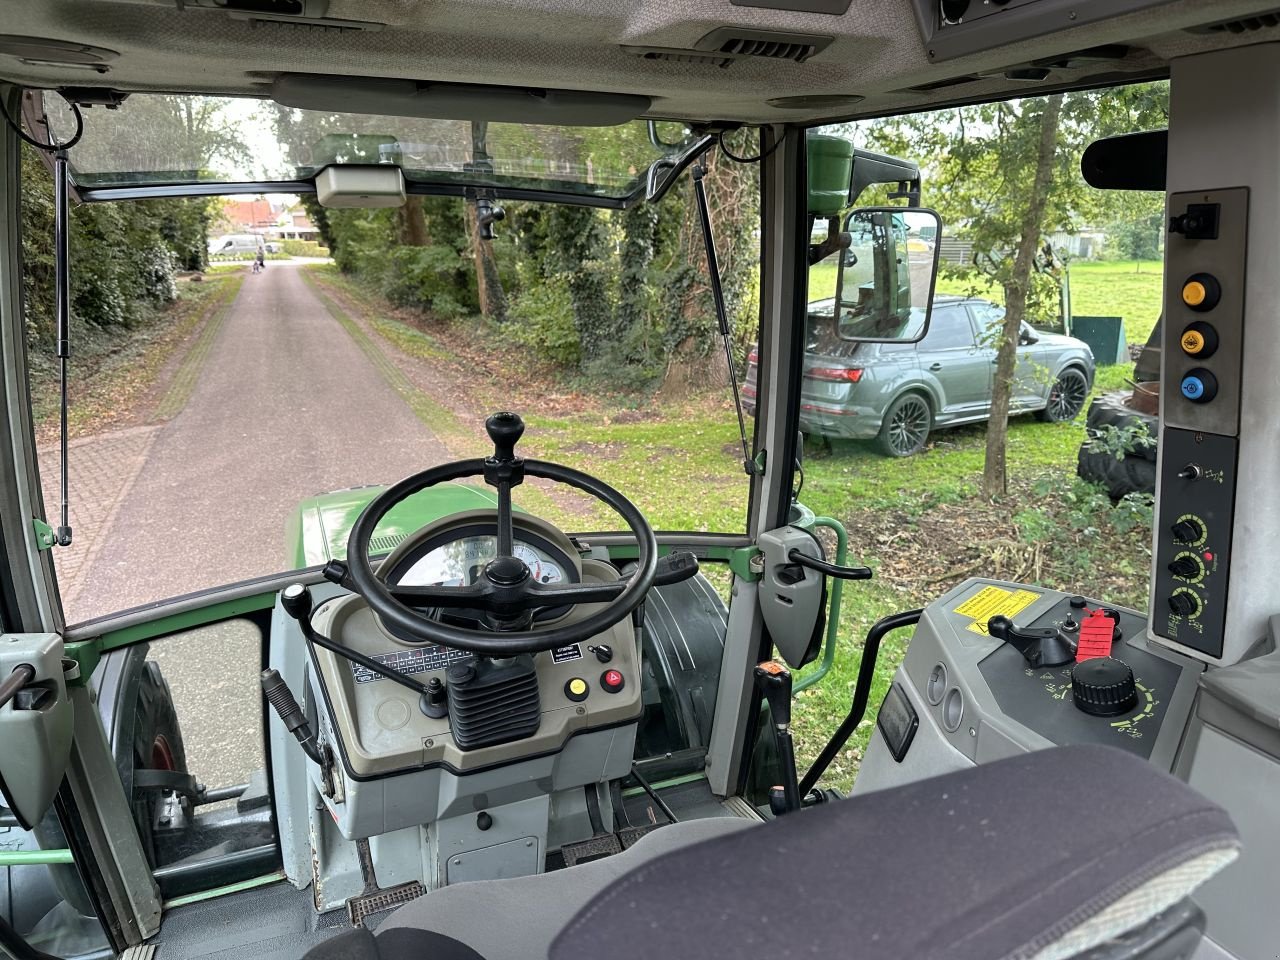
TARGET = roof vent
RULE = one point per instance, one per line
(1259, 21)
(737, 42)
(942, 84)
(672, 55)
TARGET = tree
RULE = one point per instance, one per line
(1006, 176)
(994, 471)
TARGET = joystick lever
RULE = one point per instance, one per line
(774, 681)
(503, 471)
(1039, 646)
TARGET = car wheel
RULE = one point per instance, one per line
(906, 426)
(1066, 397)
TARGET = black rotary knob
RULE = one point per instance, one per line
(1187, 567)
(1104, 687)
(1188, 531)
(1184, 603)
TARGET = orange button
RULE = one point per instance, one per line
(1194, 293)
(1192, 342)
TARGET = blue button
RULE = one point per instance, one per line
(1192, 387)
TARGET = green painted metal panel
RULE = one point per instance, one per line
(1105, 337)
(317, 530)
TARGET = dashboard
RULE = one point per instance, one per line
(584, 699)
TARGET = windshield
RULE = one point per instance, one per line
(248, 371)
(161, 140)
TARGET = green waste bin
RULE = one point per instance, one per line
(1105, 337)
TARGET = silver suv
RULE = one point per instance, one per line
(897, 393)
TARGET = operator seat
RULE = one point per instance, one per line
(1071, 852)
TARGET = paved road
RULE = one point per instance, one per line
(285, 407)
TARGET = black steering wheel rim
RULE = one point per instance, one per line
(411, 626)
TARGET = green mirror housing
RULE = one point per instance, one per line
(830, 169)
(885, 284)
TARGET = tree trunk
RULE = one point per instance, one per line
(413, 225)
(995, 480)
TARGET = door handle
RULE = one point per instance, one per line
(935, 366)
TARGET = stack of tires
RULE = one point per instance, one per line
(1135, 471)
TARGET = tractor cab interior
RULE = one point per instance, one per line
(489, 735)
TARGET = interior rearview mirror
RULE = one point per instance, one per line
(885, 282)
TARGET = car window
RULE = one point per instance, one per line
(949, 327)
(987, 315)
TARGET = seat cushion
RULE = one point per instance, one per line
(1014, 859)
(516, 919)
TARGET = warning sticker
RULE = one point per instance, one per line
(994, 601)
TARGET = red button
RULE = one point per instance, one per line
(612, 681)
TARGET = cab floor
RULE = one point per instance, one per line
(279, 922)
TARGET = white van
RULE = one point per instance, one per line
(236, 244)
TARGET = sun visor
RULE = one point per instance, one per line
(360, 186)
(456, 101)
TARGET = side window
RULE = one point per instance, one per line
(948, 328)
(987, 316)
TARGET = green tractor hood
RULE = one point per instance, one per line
(318, 528)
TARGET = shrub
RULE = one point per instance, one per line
(303, 248)
(541, 318)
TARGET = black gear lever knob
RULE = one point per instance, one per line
(505, 430)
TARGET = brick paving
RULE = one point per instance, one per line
(101, 471)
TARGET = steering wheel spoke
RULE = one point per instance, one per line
(542, 595)
(474, 595)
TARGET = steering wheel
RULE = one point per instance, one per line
(505, 590)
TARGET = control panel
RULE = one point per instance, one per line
(953, 28)
(1203, 353)
(995, 669)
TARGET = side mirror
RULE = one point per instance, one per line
(885, 284)
(1028, 336)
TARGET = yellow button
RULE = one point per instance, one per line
(1194, 294)
(1192, 342)
(577, 686)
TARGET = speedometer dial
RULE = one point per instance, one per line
(541, 569)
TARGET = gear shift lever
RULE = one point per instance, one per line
(774, 681)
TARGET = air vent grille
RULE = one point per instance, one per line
(384, 544)
(942, 84)
(739, 42)
(1260, 21)
(307, 26)
(773, 49)
(679, 56)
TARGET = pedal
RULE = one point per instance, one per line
(376, 899)
(630, 835)
(597, 848)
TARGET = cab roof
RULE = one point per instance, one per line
(730, 61)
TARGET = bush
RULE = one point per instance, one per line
(303, 248)
(541, 318)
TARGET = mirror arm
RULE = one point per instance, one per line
(837, 240)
